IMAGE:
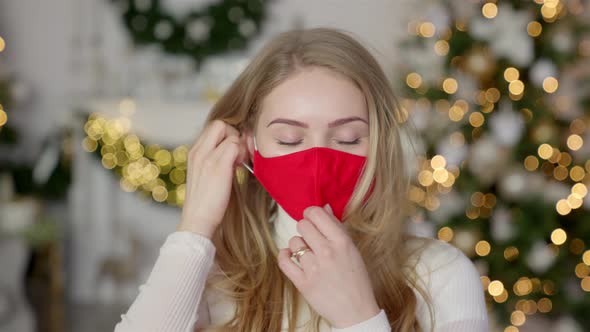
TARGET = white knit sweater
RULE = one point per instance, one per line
(174, 296)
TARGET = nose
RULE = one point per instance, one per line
(320, 142)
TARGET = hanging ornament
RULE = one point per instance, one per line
(562, 39)
(574, 84)
(468, 87)
(451, 204)
(487, 159)
(518, 184)
(507, 34)
(542, 69)
(567, 324)
(540, 257)
(507, 125)
(502, 227)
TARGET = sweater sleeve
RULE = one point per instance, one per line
(378, 323)
(170, 300)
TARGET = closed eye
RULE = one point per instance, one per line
(356, 141)
(289, 143)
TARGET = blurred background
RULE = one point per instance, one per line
(101, 99)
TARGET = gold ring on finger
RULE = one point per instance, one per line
(300, 252)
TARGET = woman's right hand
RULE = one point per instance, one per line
(211, 165)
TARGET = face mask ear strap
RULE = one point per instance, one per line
(248, 167)
(245, 165)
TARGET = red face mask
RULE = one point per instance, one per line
(316, 176)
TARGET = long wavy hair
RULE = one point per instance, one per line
(246, 253)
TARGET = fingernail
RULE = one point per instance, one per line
(328, 208)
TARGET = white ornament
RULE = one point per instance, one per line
(567, 324)
(507, 34)
(163, 30)
(424, 60)
(563, 40)
(487, 159)
(518, 184)
(198, 29)
(502, 228)
(573, 87)
(513, 185)
(540, 257)
(542, 69)
(454, 153)
(468, 86)
(554, 191)
(420, 115)
(247, 28)
(451, 204)
(507, 125)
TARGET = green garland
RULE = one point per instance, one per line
(224, 26)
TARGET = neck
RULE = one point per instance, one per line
(285, 227)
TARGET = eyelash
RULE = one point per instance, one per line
(356, 141)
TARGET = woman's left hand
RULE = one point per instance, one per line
(333, 277)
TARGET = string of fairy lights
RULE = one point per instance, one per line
(150, 169)
(436, 177)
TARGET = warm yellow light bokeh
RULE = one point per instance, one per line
(495, 288)
(3, 117)
(575, 142)
(414, 80)
(426, 29)
(545, 151)
(550, 84)
(441, 47)
(534, 29)
(489, 10)
(438, 161)
(516, 87)
(511, 74)
(445, 234)
(450, 85)
(483, 248)
(558, 236)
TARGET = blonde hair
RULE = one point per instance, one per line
(246, 253)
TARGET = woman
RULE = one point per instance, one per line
(314, 239)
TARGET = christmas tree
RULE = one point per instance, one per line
(499, 92)
(56, 179)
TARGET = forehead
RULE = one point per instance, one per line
(314, 95)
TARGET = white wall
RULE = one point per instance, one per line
(55, 47)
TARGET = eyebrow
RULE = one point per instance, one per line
(332, 124)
